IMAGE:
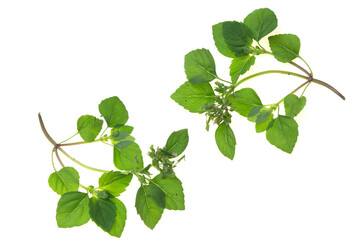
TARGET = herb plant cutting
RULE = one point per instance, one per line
(100, 204)
(241, 42)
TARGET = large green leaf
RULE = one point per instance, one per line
(128, 158)
(200, 66)
(219, 40)
(283, 133)
(150, 204)
(174, 192)
(193, 97)
(177, 142)
(293, 105)
(89, 127)
(113, 111)
(244, 100)
(239, 66)
(103, 213)
(114, 182)
(285, 47)
(65, 180)
(120, 218)
(225, 140)
(72, 210)
(237, 37)
(261, 22)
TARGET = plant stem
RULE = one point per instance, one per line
(311, 72)
(79, 163)
(58, 147)
(223, 80)
(268, 72)
(78, 143)
(69, 138)
(296, 89)
(322, 83)
(58, 157)
(45, 132)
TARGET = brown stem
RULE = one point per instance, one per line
(301, 68)
(329, 87)
(47, 135)
(58, 157)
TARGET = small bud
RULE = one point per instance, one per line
(175, 154)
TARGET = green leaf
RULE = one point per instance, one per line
(150, 204)
(225, 140)
(261, 22)
(193, 97)
(177, 142)
(174, 192)
(283, 133)
(262, 126)
(65, 180)
(113, 111)
(219, 40)
(89, 127)
(240, 66)
(285, 47)
(123, 128)
(128, 158)
(244, 100)
(293, 105)
(200, 66)
(114, 182)
(72, 210)
(121, 139)
(237, 36)
(103, 213)
(259, 114)
(120, 218)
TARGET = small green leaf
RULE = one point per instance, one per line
(89, 127)
(121, 139)
(240, 66)
(261, 22)
(237, 37)
(283, 133)
(123, 128)
(244, 100)
(72, 210)
(113, 111)
(285, 47)
(150, 204)
(293, 105)
(174, 192)
(200, 66)
(128, 158)
(120, 218)
(262, 126)
(103, 213)
(65, 180)
(259, 114)
(225, 140)
(114, 182)
(219, 40)
(193, 97)
(177, 142)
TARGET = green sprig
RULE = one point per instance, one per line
(100, 204)
(241, 41)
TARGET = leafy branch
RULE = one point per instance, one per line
(100, 204)
(241, 42)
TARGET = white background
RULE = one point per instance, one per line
(61, 58)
